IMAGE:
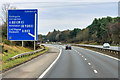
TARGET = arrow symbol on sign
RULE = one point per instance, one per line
(35, 29)
(31, 35)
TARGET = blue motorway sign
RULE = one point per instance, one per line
(22, 24)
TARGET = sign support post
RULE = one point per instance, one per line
(35, 31)
(22, 25)
(34, 45)
(22, 44)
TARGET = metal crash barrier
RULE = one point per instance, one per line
(25, 54)
(108, 51)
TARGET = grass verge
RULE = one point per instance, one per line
(6, 65)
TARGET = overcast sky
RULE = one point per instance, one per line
(66, 14)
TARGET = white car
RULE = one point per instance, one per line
(106, 45)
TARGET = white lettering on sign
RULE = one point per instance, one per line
(26, 31)
(22, 26)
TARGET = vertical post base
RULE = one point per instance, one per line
(22, 44)
(34, 45)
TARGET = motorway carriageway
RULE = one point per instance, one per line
(75, 63)
(83, 63)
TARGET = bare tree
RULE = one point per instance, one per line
(4, 18)
(5, 8)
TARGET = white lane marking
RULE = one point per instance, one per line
(104, 54)
(79, 53)
(85, 59)
(75, 50)
(89, 63)
(109, 56)
(95, 71)
(44, 73)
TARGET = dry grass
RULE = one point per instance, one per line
(12, 51)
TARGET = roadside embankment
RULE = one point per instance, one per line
(17, 55)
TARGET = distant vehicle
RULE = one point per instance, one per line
(68, 46)
(59, 43)
(106, 45)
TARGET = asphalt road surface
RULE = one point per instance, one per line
(83, 63)
(75, 63)
(100, 46)
(33, 68)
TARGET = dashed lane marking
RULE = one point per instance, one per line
(95, 71)
(89, 63)
(85, 59)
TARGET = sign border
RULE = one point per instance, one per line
(36, 24)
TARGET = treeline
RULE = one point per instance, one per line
(100, 31)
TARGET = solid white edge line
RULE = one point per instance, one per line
(106, 55)
(103, 54)
(95, 71)
(44, 73)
